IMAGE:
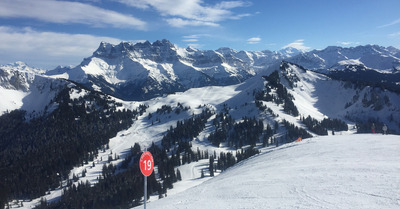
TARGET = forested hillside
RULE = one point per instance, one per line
(37, 155)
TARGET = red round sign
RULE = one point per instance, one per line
(146, 163)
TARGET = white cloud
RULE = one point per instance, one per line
(180, 13)
(298, 44)
(390, 24)
(196, 46)
(142, 4)
(254, 40)
(179, 23)
(347, 43)
(232, 4)
(66, 12)
(196, 36)
(191, 40)
(46, 49)
(240, 16)
(194, 39)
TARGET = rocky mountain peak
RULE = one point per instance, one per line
(163, 43)
(22, 67)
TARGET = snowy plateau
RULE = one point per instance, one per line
(351, 168)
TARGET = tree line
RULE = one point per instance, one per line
(186, 130)
(123, 189)
(275, 92)
(36, 155)
(118, 189)
(294, 132)
(226, 160)
(322, 127)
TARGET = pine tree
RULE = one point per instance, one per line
(211, 166)
(178, 175)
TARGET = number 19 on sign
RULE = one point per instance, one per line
(146, 167)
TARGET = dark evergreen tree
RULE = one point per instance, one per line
(178, 175)
(211, 165)
(294, 132)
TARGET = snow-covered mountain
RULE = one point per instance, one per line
(372, 56)
(26, 88)
(333, 98)
(315, 95)
(18, 76)
(144, 70)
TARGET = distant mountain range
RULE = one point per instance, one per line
(145, 70)
(372, 56)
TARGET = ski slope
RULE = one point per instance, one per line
(342, 171)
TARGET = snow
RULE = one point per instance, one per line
(144, 132)
(33, 97)
(99, 67)
(375, 57)
(350, 62)
(76, 94)
(319, 96)
(349, 171)
(22, 67)
(191, 177)
(10, 99)
(291, 173)
(60, 76)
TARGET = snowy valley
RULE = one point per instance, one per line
(183, 103)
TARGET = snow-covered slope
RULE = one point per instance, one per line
(25, 88)
(320, 96)
(348, 171)
(223, 80)
(315, 94)
(372, 56)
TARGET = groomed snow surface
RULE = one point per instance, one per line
(342, 171)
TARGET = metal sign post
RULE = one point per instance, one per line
(145, 191)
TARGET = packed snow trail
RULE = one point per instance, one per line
(348, 171)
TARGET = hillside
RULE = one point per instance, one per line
(269, 103)
(26, 88)
(347, 171)
(313, 95)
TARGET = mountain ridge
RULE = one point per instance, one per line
(158, 68)
(373, 56)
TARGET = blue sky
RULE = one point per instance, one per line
(47, 33)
